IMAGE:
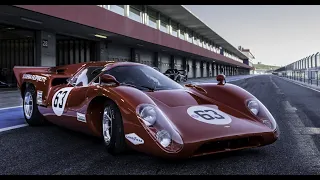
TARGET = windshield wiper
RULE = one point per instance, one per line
(149, 88)
(131, 85)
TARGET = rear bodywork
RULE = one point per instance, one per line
(83, 110)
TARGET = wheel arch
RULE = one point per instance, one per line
(94, 113)
(24, 86)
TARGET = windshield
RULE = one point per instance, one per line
(143, 77)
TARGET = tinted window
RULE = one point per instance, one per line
(142, 77)
(84, 77)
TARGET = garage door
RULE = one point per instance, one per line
(118, 53)
(146, 57)
(198, 69)
(178, 63)
(165, 62)
(205, 70)
(190, 69)
(18, 52)
(74, 51)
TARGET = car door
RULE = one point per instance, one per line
(69, 103)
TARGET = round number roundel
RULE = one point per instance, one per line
(209, 115)
(59, 100)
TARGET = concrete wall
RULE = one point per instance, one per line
(45, 49)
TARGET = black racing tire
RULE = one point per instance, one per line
(117, 144)
(35, 118)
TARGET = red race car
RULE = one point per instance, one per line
(132, 105)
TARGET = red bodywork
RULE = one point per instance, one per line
(244, 131)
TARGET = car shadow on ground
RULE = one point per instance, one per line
(129, 154)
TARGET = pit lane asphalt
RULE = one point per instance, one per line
(55, 150)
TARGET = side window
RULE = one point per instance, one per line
(82, 79)
(86, 76)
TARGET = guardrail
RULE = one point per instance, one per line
(310, 77)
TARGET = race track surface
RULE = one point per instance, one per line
(55, 150)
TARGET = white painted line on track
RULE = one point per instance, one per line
(13, 107)
(300, 84)
(310, 131)
(13, 127)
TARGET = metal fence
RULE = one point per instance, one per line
(308, 76)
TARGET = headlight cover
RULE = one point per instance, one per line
(258, 109)
(253, 105)
(160, 127)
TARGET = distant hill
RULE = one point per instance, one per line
(264, 66)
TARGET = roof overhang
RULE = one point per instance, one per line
(185, 17)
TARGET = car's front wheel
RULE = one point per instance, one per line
(30, 108)
(112, 128)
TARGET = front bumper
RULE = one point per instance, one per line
(220, 145)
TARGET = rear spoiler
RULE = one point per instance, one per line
(20, 70)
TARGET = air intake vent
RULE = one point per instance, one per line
(228, 145)
(60, 71)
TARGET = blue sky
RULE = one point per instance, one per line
(276, 35)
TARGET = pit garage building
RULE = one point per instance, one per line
(163, 36)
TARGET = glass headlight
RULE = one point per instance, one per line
(253, 106)
(258, 109)
(163, 138)
(160, 127)
(149, 115)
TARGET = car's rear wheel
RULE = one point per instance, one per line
(112, 129)
(30, 108)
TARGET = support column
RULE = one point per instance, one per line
(170, 27)
(126, 10)
(102, 51)
(201, 68)
(172, 62)
(214, 69)
(156, 60)
(145, 17)
(192, 37)
(134, 55)
(184, 63)
(158, 21)
(194, 68)
(186, 34)
(178, 31)
(45, 49)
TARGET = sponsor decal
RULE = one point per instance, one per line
(81, 117)
(209, 115)
(39, 97)
(134, 139)
(34, 77)
(59, 100)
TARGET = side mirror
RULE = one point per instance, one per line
(221, 79)
(108, 79)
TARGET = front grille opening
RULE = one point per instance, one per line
(228, 145)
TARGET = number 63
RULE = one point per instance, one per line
(61, 95)
(208, 114)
